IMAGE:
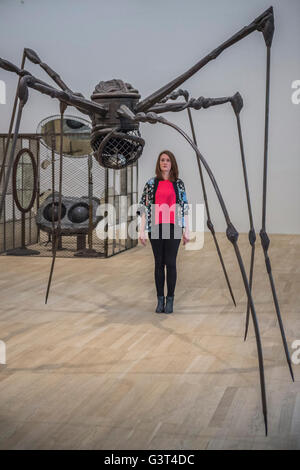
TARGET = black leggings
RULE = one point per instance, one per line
(165, 252)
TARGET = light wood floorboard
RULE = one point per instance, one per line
(96, 368)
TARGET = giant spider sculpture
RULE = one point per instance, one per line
(116, 111)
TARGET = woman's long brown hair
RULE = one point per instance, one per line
(173, 176)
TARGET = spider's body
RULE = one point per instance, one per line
(115, 138)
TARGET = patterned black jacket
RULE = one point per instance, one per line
(148, 198)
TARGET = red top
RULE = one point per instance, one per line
(165, 200)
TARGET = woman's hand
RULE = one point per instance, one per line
(185, 237)
(142, 237)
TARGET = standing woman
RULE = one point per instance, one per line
(164, 211)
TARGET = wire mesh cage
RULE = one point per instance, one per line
(119, 150)
(86, 186)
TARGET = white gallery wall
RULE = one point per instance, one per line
(150, 43)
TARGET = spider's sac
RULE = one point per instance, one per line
(116, 140)
(117, 150)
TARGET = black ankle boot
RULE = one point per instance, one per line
(169, 304)
(160, 304)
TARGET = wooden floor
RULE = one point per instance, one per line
(96, 368)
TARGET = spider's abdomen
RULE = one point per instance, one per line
(125, 145)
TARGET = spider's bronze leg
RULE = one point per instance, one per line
(57, 231)
(261, 23)
(237, 104)
(209, 222)
(23, 97)
(34, 58)
(232, 236)
(65, 97)
(12, 119)
(12, 153)
(265, 241)
(195, 103)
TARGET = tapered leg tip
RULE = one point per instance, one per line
(266, 424)
(292, 374)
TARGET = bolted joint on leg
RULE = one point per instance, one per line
(237, 102)
(267, 27)
(32, 55)
(265, 241)
(210, 226)
(62, 107)
(23, 89)
(232, 233)
(251, 236)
